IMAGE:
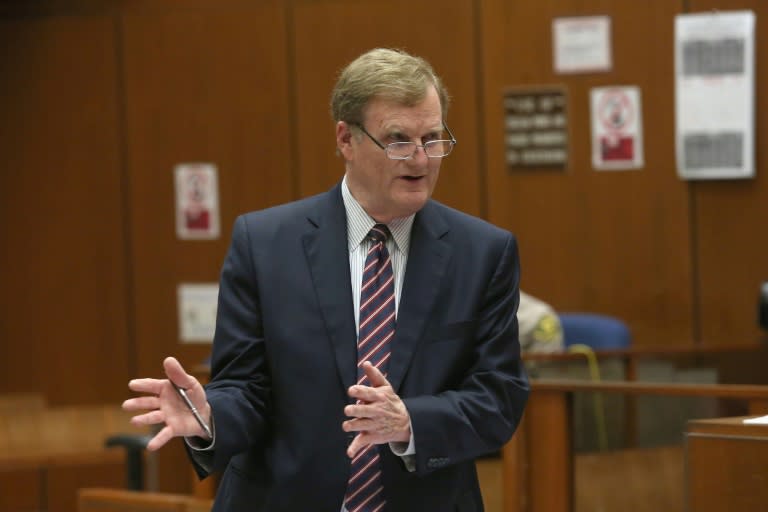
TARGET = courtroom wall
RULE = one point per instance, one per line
(100, 101)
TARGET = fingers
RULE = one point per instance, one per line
(176, 373)
(160, 439)
(363, 394)
(358, 425)
(358, 443)
(162, 404)
(141, 403)
(376, 378)
(150, 386)
(359, 411)
(149, 418)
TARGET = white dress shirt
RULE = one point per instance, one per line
(359, 224)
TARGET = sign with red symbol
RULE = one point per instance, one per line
(197, 201)
(617, 129)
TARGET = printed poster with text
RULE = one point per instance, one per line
(715, 95)
(617, 128)
(197, 201)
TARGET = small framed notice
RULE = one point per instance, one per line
(197, 305)
(536, 128)
(197, 201)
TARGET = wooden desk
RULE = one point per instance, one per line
(726, 464)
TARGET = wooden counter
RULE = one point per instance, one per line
(726, 465)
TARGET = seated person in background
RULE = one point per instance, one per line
(540, 329)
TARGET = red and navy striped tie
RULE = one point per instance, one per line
(377, 327)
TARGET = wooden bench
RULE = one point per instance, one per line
(12, 403)
(120, 500)
(46, 454)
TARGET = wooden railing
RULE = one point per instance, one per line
(735, 364)
(538, 464)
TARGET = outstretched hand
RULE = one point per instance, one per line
(379, 416)
(164, 405)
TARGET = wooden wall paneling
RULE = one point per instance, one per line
(602, 241)
(206, 83)
(539, 207)
(732, 240)
(328, 34)
(202, 85)
(63, 321)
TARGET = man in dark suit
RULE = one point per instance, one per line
(366, 347)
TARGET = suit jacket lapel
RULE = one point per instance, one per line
(427, 262)
(327, 253)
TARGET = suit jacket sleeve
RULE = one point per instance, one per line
(239, 393)
(481, 412)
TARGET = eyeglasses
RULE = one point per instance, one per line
(406, 150)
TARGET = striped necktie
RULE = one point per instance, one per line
(377, 327)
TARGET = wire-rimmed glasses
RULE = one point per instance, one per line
(405, 150)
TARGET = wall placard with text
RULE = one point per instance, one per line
(536, 128)
(197, 201)
(617, 128)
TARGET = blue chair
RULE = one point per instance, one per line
(585, 333)
(599, 332)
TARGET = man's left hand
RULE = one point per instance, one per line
(379, 416)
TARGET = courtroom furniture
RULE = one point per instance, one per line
(726, 465)
(730, 364)
(12, 403)
(49, 453)
(735, 364)
(122, 500)
(597, 331)
(538, 465)
(135, 454)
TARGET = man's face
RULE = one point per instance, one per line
(386, 188)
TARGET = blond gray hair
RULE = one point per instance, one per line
(392, 75)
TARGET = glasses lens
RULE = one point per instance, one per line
(438, 148)
(401, 150)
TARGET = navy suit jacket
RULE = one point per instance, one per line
(284, 355)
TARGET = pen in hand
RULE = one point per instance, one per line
(183, 394)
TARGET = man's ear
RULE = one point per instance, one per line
(344, 139)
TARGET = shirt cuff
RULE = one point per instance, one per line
(200, 444)
(406, 451)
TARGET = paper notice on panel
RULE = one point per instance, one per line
(714, 95)
(197, 305)
(617, 128)
(582, 44)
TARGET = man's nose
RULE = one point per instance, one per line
(419, 156)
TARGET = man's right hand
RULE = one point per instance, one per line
(164, 405)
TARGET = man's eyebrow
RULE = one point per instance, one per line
(399, 130)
